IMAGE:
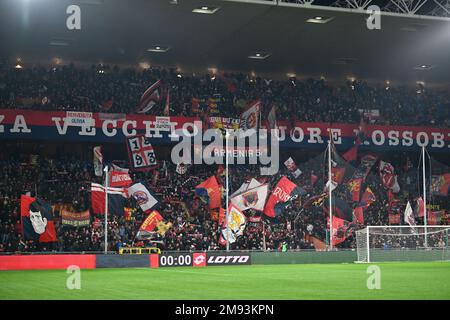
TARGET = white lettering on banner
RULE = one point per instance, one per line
(125, 126)
(438, 140)
(314, 135)
(63, 130)
(407, 139)
(87, 131)
(336, 135)
(105, 124)
(282, 133)
(419, 140)
(20, 125)
(301, 134)
(393, 137)
(375, 140)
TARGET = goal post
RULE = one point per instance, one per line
(403, 243)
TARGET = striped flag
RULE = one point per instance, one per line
(150, 98)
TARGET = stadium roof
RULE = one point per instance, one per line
(406, 49)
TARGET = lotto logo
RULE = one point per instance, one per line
(199, 259)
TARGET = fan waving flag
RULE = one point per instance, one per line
(116, 199)
(142, 196)
(209, 191)
(150, 98)
(140, 152)
(37, 219)
(283, 192)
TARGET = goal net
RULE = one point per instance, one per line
(403, 243)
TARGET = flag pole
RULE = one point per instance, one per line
(106, 208)
(424, 196)
(330, 206)
(264, 235)
(226, 186)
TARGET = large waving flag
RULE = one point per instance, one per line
(150, 98)
(388, 177)
(116, 199)
(143, 196)
(236, 225)
(37, 219)
(249, 118)
(252, 198)
(283, 192)
(154, 221)
(209, 191)
(340, 230)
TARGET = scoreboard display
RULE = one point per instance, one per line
(174, 259)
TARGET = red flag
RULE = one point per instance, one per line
(151, 221)
(337, 174)
(119, 177)
(341, 230)
(358, 215)
(211, 189)
(282, 193)
(434, 217)
(354, 186)
(420, 208)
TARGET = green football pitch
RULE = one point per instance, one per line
(301, 281)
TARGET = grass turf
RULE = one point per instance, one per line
(302, 281)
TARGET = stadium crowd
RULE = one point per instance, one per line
(110, 89)
(66, 180)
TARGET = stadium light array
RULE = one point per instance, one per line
(206, 10)
(259, 55)
(320, 19)
(158, 48)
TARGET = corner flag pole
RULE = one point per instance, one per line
(330, 206)
(106, 208)
(425, 220)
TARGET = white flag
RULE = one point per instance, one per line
(98, 161)
(236, 223)
(252, 198)
(408, 216)
(142, 196)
